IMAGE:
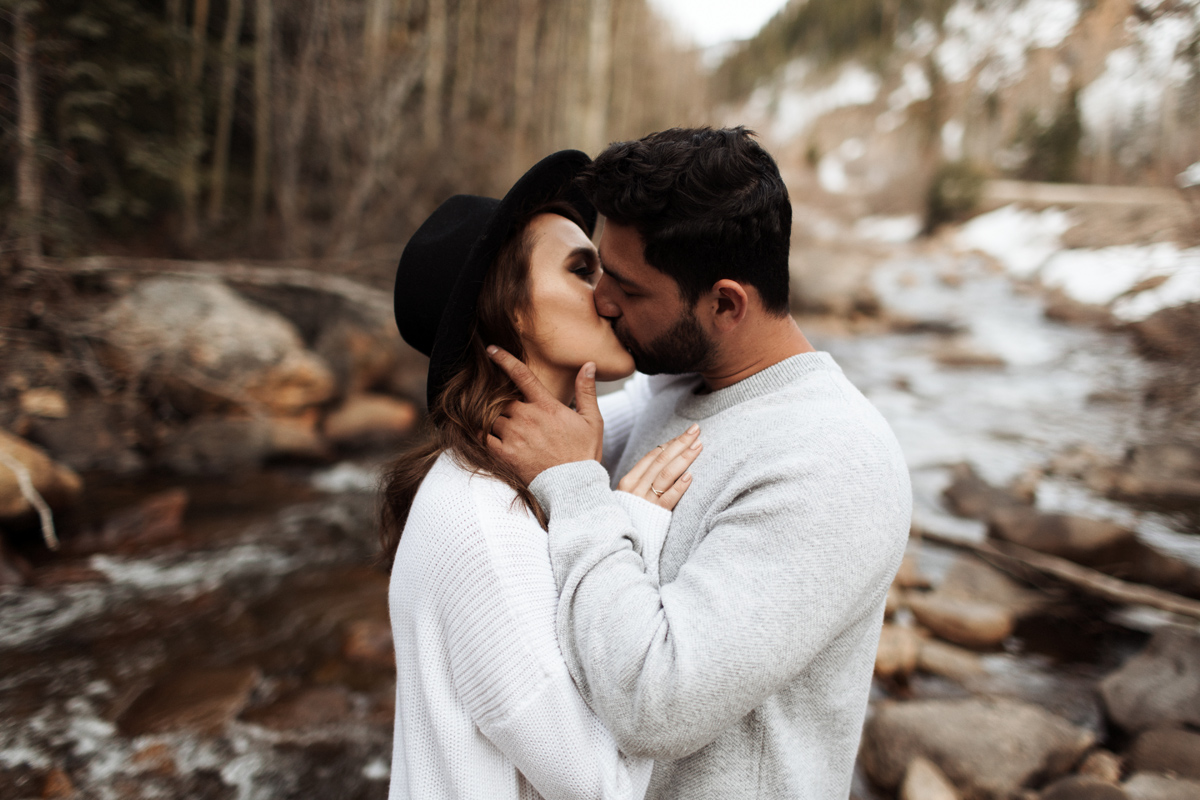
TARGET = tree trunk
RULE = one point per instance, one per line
(376, 24)
(599, 78)
(263, 33)
(464, 61)
(29, 177)
(229, 71)
(435, 73)
(192, 132)
(295, 105)
(523, 84)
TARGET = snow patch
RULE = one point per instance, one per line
(793, 108)
(346, 477)
(890, 230)
(1189, 177)
(998, 35)
(1019, 239)
(1109, 275)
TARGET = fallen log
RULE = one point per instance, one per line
(1006, 556)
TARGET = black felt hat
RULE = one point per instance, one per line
(442, 267)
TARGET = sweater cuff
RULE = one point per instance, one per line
(571, 488)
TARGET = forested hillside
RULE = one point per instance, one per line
(299, 128)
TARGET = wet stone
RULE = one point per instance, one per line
(1082, 787)
(898, 650)
(963, 621)
(924, 781)
(988, 748)
(1102, 764)
(198, 700)
(58, 786)
(1064, 535)
(955, 663)
(1156, 786)
(968, 495)
(1159, 686)
(1172, 750)
(305, 708)
(369, 642)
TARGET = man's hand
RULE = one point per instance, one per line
(540, 432)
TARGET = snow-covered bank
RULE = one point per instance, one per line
(1132, 281)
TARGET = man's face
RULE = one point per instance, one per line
(648, 314)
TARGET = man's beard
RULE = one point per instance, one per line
(683, 348)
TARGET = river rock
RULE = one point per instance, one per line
(58, 484)
(93, 438)
(961, 620)
(308, 707)
(152, 521)
(1102, 764)
(968, 495)
(1156, 786)
(43, 402)
(899, 647)
(1171, 750)
(960, 355)
(1159, 686)
(1082, 787)
(369, 642)
(989, 748)
(370, 419)
(909, 576)
(971, 578)
(202, 700)
(14, 570)
(211, 344)
(1064, 535)
(363, 358)
(218, 446)
(1171, 333)
(298, 437)
(817, 287)
(924, 781)
(1164, 474)
(955, 663)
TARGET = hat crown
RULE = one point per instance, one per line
(432, 262)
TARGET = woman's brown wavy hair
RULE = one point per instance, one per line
(474, 397)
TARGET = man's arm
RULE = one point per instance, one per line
(780, 573)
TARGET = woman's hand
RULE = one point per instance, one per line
(662, 475)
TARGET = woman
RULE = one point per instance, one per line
(485, 706)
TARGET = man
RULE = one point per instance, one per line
(744, 671)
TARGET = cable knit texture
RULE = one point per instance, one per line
(745, 671)
(485, 707)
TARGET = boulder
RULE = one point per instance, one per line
(218, 446)
(370, 420)
(845, 291)
(1160, 686)
(152, 521)
(968, 495)
(909, 576)
(369, 642)
(958, 355)
(1171, 750)
(955, 663)
(213, 348)
(201, 700)
(43, 402)
(298, 437)
(1082, 787)
(898, 650)
(988, 748)
(58, 484)
(363, 357)
(924, 781)
(1156, 786)
(963, 621)
(309, 707)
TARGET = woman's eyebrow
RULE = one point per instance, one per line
(586, 253)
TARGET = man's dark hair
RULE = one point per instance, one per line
(709, 204)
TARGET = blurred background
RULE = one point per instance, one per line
(997, 235)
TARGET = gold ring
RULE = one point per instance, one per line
(657, 493)
(660, 447)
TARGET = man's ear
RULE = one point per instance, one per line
(730, 301)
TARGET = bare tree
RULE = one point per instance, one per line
(464, 61)
(435, 72)
(229, 71)
(599, 78)
(192, 127)
(263, 32)
(29, 176)
(376, 24)
(524, 75)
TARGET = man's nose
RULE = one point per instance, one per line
(602, 297)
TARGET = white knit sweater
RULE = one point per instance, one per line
(485, 707)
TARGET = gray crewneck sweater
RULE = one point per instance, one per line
(744, 669)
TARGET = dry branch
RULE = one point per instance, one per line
(33, 497)
(1005, 555)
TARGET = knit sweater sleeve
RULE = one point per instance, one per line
(619, 410)
(777, 574)
(506, 664)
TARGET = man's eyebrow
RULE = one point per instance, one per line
(618, 277)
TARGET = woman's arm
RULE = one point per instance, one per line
(506, 663)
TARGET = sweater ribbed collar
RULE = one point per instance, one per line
(774, 377)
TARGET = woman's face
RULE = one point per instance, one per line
(561, 330)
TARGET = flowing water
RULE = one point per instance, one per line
(247, 658)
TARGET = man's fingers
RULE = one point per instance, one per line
(521, 375)
(585, 393)
(498, 427)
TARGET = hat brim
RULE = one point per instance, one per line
(550, 179)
